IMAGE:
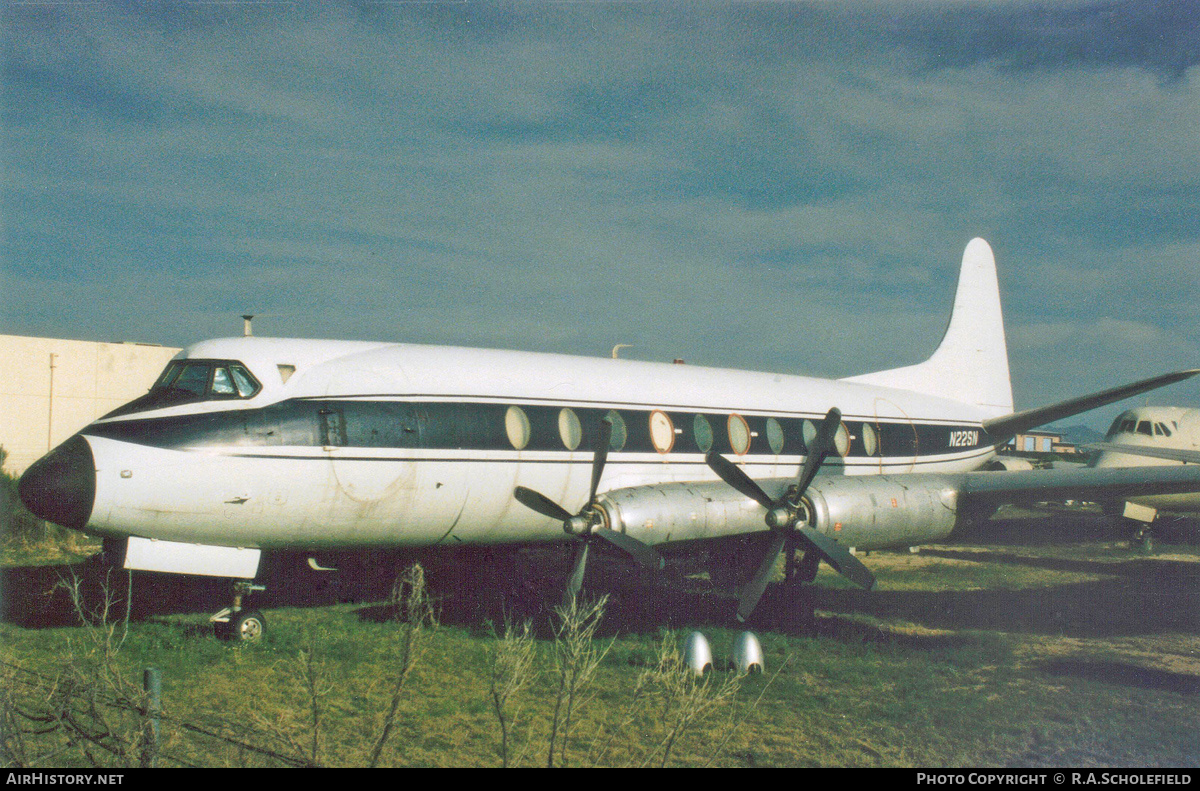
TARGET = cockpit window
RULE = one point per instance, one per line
(1122, 425)
(192, 378)
(243, 381)
(1143, 427)
(188, 381)
(222, 384)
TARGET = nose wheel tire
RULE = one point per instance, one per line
(244, 626)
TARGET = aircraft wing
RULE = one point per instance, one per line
(1006, 427)
(1174, 454)
(1089, 483)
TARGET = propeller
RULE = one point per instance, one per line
(585, 525)
(783, 519)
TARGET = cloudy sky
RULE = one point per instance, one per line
(769, 185)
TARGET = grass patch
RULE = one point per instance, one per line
(973, 655)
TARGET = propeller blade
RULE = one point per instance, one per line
(822, 444)
(738, 479)
(753, 590)
(541, 503)
(575, 581)
(600, 458)
(837, 556)
(644, 554)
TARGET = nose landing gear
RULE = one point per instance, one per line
(236, 623)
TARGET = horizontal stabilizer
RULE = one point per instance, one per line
(1174, 454)
(1006, 427)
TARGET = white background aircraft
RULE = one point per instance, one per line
(253, 444)
(1151, 435)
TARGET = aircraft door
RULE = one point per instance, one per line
(367, 444)
(360, 436)
(393, 477)
(331, 425)
(897, 437)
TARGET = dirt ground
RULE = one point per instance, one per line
(1066, 581)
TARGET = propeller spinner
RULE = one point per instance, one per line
(585, 525)
(783, 518)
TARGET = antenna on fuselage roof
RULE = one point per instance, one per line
(616, 352)
(248, 319)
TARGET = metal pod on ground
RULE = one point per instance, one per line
(748, 653)
(697, 654)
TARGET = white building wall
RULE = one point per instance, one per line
(88, 380)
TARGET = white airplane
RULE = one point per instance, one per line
(252, 444)
(1151, 435)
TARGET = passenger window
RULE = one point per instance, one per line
(703, 431)
(870, 439)
(516, 424)
(808, 430)
(618, 430)
(775, 436)
(841, 440)
(569, 429)
(739, 434)
(662, 431)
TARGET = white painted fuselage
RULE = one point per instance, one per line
(238, 490)
(1152, 436)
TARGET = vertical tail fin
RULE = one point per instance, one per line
(971, 363)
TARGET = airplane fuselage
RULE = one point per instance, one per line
(360, 445)
(1173, 432)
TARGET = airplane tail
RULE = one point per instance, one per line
(971, 363)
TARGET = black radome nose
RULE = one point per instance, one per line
(60, 487)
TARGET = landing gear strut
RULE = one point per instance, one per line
(236, 623)
(1143, 539)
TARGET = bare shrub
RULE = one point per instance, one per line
(88, 710)
(684, 698)
(512, 659)
(667, 702)
(576, 658)
(413, 611)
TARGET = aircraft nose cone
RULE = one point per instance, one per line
(60, 487)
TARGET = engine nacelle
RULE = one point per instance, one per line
(1008, 463)
(669, 512)
(878, 511)
(867, 512)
